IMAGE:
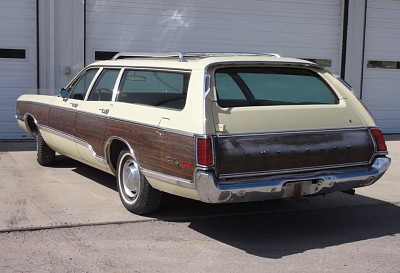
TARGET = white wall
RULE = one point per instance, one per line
(61, 43)
(355, 44)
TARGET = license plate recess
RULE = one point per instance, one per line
(298, 188)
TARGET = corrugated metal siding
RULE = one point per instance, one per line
(296, 28)
(17, 76)
(381, 87)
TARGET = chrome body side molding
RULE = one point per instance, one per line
(74, 139)
(169, 179)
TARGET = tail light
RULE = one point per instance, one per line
(204, 152)
(379, 140)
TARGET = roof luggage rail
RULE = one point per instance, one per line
(221, 54)
(124, 55)
(182, 56)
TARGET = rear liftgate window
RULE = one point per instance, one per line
(263, 86)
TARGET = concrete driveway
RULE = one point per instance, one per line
(73, 194)
(68, 218)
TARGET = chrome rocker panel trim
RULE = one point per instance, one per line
(277, 187)
(74, 139)
(169, 179)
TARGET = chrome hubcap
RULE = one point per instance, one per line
(131, 178)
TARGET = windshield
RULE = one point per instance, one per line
(262, 86)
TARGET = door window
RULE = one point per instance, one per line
(81, 86)
(104, 86)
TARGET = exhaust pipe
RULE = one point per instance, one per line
(350, 191)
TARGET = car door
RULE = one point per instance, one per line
(92, 118)
(62, 114)
(148, 102)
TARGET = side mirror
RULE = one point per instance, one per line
(64, 93)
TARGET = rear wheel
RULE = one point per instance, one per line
(45, 155)
(136, 194)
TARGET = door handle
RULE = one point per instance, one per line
(104, 111)
(159, 129)
(74, 105)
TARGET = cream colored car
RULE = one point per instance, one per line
(210, 126)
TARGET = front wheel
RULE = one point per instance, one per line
(45, 155)
(136, 194)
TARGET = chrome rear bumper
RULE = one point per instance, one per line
(210, 190)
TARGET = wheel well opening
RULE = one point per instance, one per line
(32, 126)
(115, 149)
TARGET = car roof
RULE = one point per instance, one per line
(191, 61)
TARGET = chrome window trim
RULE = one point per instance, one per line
(162, 69)
(207, 89)
(94, 80)
(78, 76)
(117, 85)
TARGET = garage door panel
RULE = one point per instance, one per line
(12, 93)
(20, 12)
(280, 40)
(384, 108)
(17, 76)
(145, 24)
(381, 92)
(12, 80)
(9, 68)
(171, 16)
(232, 7)
(8, 115)
(307, 29)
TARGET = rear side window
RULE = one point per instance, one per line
(262, 86)
(155, 88)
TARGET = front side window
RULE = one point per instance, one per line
(79, 88)
(104, 85)
(155, 88)
(263, 86)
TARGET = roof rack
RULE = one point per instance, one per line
(182, 56)
(124, 55)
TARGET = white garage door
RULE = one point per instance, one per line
(381, 86)
(17, 60)
(297, 28)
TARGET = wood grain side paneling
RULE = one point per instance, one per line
(37, 110)
(93, 130)
(62, 119)
(274, 152)
(162, 152)
(156, 150)
(176, 150)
